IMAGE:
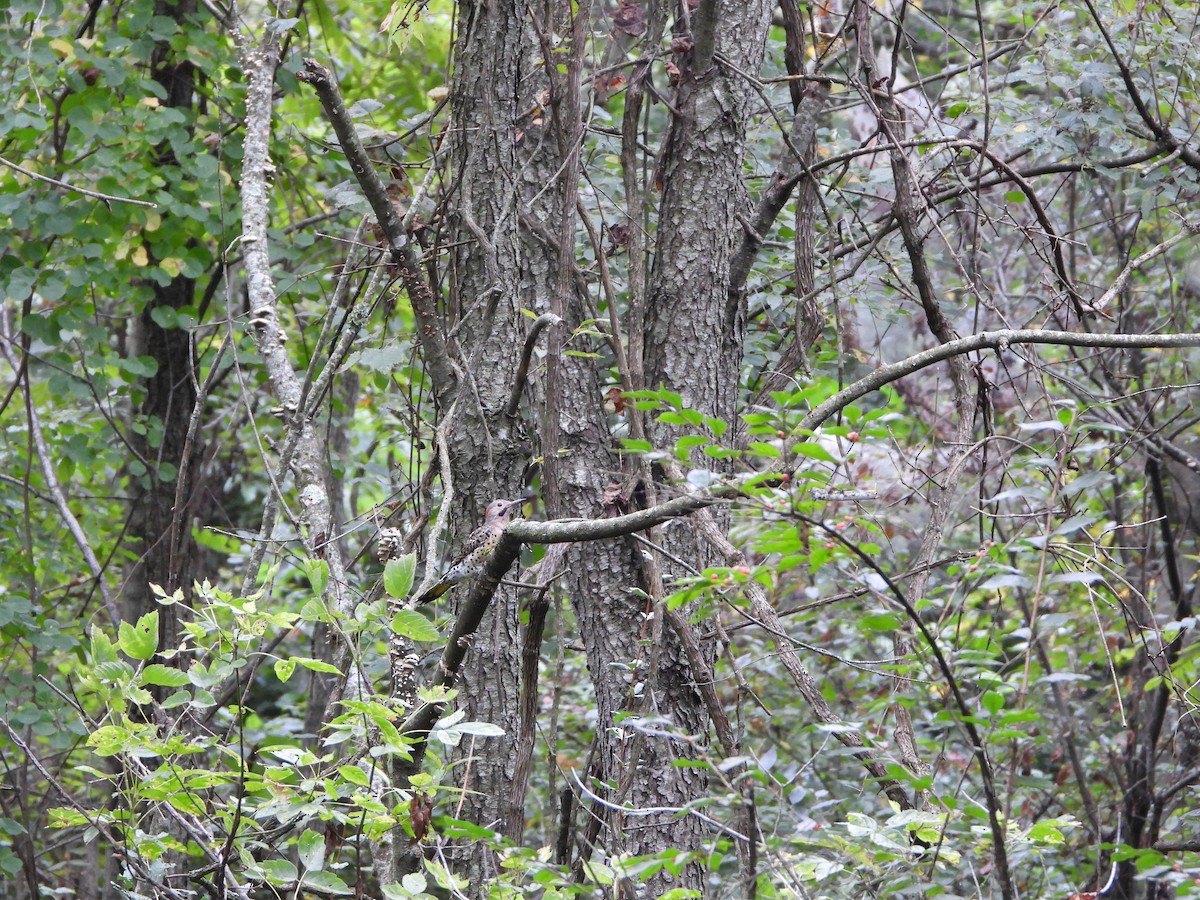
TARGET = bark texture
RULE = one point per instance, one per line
(488, 449)
(694, 337)
(638, 730)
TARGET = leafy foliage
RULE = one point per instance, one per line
(1030, 671)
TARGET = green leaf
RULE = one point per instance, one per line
(103, 649)
(411, 624)
(993, 701)
(141, 640)
(284, 669)
(398, 575)
(814, 451)
(179, 698)
(108, 740)
(355, 775)
(165, 317)
(687, 443)
(758, 448)
(325, 882)
(882, 622)
(632, 445)
(682, 417)
(317, 571)
(315, 665)
(310, 850)
(315, 611)
(141, 366)
(164, 676)
(277, 871)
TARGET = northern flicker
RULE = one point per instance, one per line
(479, 546)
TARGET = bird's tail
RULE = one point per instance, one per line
(433, 593)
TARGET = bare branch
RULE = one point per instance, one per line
(60, 499)
(71, 187)
(420, 294)
(518, 385)
(995, 340)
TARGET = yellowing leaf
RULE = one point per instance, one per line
(63, 48)
(140, 257)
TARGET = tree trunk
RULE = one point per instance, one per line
(160, 532)
(488, 449)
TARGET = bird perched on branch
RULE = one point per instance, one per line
(476, 551)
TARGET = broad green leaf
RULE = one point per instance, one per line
(310, 850)
(139, 640)
(325, 882)
(315, 665)
(993, 701)
(284, 669)
(354, 775)
(317, 571)
(814, 450)
(164, 676)
(882, 622)
(411, 624)
(103, 649)
(398, 575)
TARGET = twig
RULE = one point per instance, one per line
(71, 187)
(518, 385)
(60, 499)
(995, 340)
(420, 294)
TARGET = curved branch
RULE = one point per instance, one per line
(518, 386)
(522, 531)
(108, 198)
(995, 340)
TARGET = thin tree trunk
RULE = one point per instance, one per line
(162, 417)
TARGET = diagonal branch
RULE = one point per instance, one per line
(420, 294)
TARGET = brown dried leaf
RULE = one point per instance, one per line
(619, 235)
(629, 18)
(420, 812)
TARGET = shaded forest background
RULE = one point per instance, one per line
(843, 352)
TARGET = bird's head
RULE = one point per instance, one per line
(501, 511)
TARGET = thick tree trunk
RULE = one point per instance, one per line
(488, 449)
(693, 340)
(693, 336)
(579, 469)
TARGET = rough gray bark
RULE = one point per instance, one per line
(580, 471)
(694, 333)
(694, 337)
(488, 449)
